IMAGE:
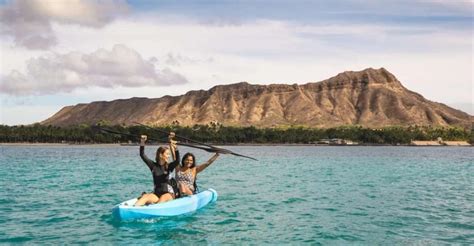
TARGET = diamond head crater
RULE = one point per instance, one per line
(370, 106)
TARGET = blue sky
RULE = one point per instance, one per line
(58, 53)
(432, 13)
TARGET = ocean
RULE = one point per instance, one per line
(293, 195)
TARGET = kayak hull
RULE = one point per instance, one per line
(126, 210)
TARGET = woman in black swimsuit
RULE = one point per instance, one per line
(165, 187)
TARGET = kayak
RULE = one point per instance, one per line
(126, 210)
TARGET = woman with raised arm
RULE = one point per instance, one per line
(165, 188)
(187, 172)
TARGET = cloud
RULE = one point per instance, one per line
(29, 21)
(120, 67)
(178, 60)
(269, 51)
(435, 62)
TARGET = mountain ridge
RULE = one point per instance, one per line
(370, 98)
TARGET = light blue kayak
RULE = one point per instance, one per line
(126, 210)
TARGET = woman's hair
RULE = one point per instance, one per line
(186, 156)
(160, 151)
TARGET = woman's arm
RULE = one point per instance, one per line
(175, 163)
(172, 144)
(207, 163)
(145, 159)
(174, 153)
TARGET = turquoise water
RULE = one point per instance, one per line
(293, 195)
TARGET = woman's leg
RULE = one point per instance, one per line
(147, 199)
(166, 197)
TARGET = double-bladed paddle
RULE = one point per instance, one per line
(107, 130)
(210, 149)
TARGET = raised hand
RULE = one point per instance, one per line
(143, 139)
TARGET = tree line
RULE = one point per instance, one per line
(216, 134)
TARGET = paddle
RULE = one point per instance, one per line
(214, 149)
(183, 138)
(154, 139)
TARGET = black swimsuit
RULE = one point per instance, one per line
(161, 178)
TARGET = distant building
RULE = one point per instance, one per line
(324, 141)
(456, 143)
(336, 141)
(350, 142)
(425, 143)
(440, 142)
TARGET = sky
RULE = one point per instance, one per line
(58, 53)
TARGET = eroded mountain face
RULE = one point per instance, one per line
(370, 98)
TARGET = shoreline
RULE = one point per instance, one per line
(237, 144)
(55, 144)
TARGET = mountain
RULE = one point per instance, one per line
(370, 98)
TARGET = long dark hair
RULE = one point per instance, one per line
(159, 151)
(186, 156)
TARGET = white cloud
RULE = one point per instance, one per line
(119, 67)
(179, 59)
(29, 21)
(435, 62)
(275, 51)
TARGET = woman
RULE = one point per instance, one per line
(160, 168)
(186, 173)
